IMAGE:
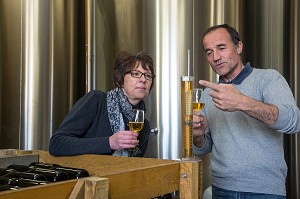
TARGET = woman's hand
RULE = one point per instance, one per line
(123, 140)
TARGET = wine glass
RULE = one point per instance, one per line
(197, 105)
(137, 121)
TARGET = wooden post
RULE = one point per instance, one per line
(90, 188)
(190, 179)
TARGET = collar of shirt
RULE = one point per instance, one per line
(240, 77)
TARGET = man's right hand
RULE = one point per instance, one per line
(200, 124)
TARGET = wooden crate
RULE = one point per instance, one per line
(127, 177)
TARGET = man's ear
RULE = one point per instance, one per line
(240, 47)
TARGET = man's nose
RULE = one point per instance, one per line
(216, 55)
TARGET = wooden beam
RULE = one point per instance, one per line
(144, 183)
(95, 188)
(190, 179)
(88, 188)
(57, 190)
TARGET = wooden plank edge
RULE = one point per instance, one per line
(145, 183)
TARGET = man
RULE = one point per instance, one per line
(243, 120)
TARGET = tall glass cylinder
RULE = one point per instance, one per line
(187, 83)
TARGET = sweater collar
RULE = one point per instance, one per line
(240, 77)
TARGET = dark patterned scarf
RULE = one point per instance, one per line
(117, 106)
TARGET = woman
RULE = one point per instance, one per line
(98, 122)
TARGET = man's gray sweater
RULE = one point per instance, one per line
(247, 155)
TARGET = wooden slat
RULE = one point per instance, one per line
(144, 183)
(57, 190)
(103, 164)
(78, 191)
(93, 188)
(5, 152)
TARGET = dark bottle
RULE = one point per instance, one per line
(52, 175)
(7, 187)
(73, 173)
(6, 180)
(21, 182)
(4, 171)
(21, 168)
(27, 175)
(44, 165)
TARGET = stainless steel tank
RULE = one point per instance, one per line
(38, 69)
(292, 73)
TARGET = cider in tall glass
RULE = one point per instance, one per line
(187, 116)
(197, 104)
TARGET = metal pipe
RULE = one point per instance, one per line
(292, 142)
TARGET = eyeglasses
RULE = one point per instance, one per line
(138, 74)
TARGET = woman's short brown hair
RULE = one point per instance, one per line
(126, 62)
